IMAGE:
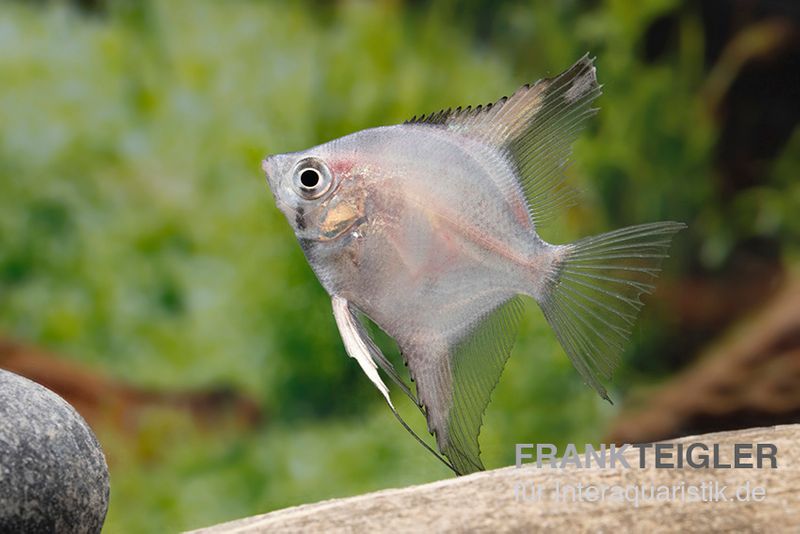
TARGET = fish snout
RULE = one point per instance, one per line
(268, 167)
(270, 172)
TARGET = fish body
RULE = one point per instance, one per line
(421, 220)
(429, 229)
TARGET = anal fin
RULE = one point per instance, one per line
(455, 385)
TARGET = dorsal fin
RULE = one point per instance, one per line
(534, 128)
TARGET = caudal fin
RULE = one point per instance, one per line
(594, 295)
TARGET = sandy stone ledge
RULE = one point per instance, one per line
(502, 500)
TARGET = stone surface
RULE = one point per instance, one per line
(491, 501)
(53, 475)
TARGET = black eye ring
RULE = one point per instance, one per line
(312, 178)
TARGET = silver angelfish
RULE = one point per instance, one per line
(429, 229)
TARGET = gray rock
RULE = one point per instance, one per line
(53, 475)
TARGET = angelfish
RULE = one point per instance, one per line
(429, 229)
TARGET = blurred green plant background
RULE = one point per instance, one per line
(138, 239)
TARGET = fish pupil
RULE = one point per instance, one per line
(309, 178)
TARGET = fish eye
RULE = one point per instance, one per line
(312, 179)
(309, 178)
